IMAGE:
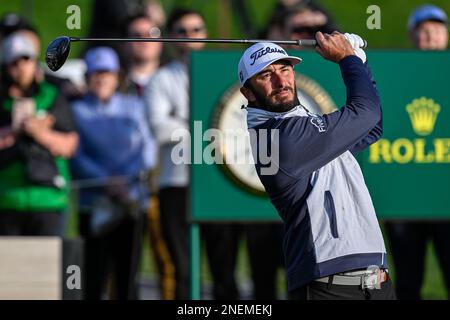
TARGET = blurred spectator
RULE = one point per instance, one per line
(115, 147)
(37, 135)
(265, 252)
(11, 22)
(143, 59)
(167, 98)
(428, 27)
(111, 16)
(155, 12)
(299, 19)
(14, 23)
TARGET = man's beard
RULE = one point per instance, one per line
(264, 102)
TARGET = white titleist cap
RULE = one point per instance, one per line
(259, 56)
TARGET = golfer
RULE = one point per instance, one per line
(333, 245)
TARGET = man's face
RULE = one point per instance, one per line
(22, 71)
(190, 26)
(144, 51)
(430, 35)
(273, 88)
(103, 84)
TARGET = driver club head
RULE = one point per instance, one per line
(57, 53)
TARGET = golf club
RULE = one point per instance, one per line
(58, 50)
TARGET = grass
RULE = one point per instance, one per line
(433, 286)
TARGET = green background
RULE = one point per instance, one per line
(410, 190)
(399, 190)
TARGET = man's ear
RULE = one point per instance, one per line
(248, 94)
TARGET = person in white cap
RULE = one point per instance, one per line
(333, 245)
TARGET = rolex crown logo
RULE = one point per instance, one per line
(423, 113)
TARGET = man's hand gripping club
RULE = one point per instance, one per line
(337, 46)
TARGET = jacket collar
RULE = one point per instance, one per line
(257, 116)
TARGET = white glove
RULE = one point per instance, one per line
(356, 42)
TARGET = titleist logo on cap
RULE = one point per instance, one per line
(263, 51)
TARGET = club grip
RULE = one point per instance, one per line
(312, 43)
(307, 42)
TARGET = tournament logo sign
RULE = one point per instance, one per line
(423, 114)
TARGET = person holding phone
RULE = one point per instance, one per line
(37, 136)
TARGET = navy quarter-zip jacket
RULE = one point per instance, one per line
(318, 188)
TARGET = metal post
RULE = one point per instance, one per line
(194, 231)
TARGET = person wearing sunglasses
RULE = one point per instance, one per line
(167, 99)
(303, 20)
(142, 58)
(187, 24)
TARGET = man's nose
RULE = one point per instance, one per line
(278, 80)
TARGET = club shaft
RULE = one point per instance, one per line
(304, 42)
